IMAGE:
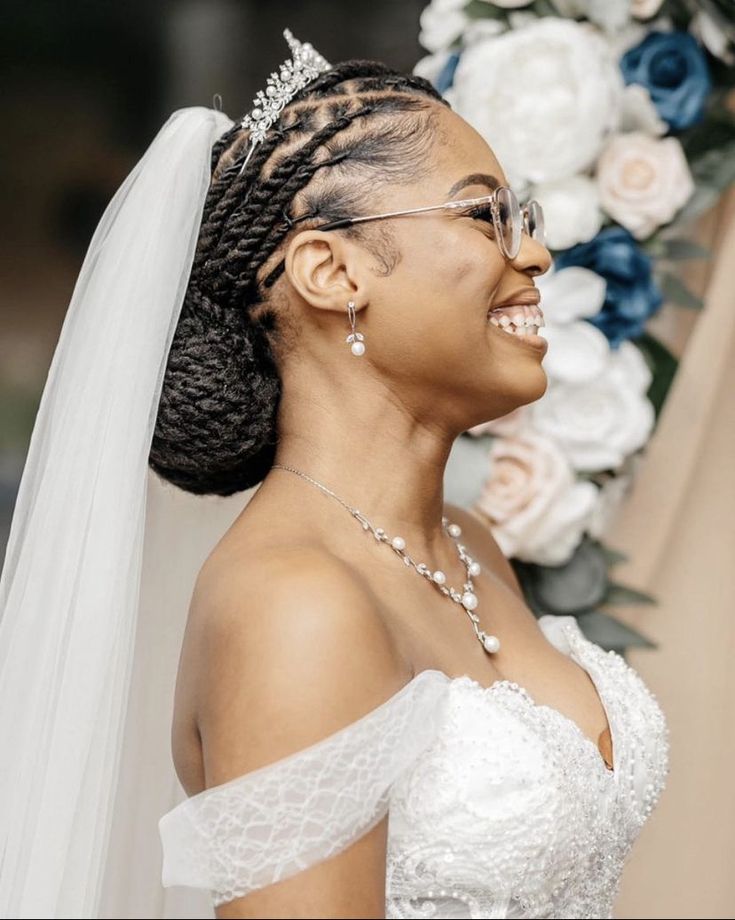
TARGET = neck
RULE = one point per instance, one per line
(373, 452)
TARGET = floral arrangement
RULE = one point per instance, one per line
(619, 117)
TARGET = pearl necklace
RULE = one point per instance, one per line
(467, 599)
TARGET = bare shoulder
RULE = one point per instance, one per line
(294, 648)
(479, 536)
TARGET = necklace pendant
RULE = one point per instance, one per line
(469, 600)
(491, 644)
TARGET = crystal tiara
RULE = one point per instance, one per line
(304, 65)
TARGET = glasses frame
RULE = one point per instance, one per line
(491, 200)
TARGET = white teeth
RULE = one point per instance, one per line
(512, 329)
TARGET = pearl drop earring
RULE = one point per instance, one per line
(354, 338)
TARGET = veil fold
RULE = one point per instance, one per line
(100, 563)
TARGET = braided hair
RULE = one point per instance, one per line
(360, 123)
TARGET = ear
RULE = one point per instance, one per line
(326, 270)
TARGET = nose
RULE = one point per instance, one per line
(533, 257)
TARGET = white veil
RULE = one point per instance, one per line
(99, 567)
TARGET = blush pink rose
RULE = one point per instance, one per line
(536, 508)
(643, 181)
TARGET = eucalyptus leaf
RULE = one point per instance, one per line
(545, 8)
(675, 291)
(610, 633)
(712, 134)
(678, 249)
(622, 594)
(716, 166)
(663, 365)
(705, 197)
(477, 9)
(612, 556)
(578, 585)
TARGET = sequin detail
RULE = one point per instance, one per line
(512, 811)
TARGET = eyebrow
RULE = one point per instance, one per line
(473, 179)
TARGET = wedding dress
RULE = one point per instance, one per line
(497, 806)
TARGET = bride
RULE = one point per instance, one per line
(368, 720)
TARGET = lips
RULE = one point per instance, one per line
(525, 296)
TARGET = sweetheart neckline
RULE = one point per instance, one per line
(508, 683)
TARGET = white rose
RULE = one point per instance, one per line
(626, 38)
(599, 423)
(644, 9)
(578, 352)
(536, 508)
(643, 181)
(570, 293)
(544, 97)
(638, 113)
(431, 65)
(715, 33)
(442, 22)
(571, 210)
(480, 29)
(608, 14)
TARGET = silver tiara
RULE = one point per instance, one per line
(304, 65)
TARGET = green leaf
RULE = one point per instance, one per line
(663, 366)
(545, 8)
(713, 133)
(705, 197)
(613, 556)
(476, 9)
(675, 291)
(678, 249)
(716, 166)
(622, 594)
(610, 633)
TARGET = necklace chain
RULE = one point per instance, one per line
(467, 599)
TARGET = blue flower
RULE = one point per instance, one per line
(446, 75)
(673, 68)
(632, 295)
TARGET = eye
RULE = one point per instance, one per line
(484, 214)
(481, 212)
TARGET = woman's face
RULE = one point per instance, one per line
(426, 324)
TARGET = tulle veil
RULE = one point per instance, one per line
(99, 568)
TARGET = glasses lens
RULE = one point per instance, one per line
(535, 222)
(511, 221)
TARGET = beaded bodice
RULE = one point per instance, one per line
(498, 806)
(511, 812)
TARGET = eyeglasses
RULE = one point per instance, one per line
(501, 209)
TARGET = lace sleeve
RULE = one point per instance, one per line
(270, 823)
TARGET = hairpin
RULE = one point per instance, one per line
(304, 65)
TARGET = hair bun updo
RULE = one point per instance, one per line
(215, 431)
(356, 124)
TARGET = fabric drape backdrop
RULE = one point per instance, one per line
(677, 526)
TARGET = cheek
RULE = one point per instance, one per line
(465, 270)
(436, 300)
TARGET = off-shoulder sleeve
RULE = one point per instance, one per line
(275, 821)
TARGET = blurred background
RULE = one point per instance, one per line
(86, 85)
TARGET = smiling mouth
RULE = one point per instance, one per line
(518, 319)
